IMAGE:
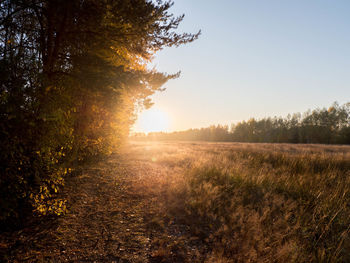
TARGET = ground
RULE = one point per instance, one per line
(198, 202)
(109, 219)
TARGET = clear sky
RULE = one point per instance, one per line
(255, 58)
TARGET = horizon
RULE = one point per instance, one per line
(254, 60)
(231, 126)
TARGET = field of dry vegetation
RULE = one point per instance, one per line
(198, 202)
(235, 202)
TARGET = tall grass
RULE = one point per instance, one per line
(258, 202)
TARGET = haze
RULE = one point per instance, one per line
(255, 59)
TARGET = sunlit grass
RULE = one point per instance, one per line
(255, 202)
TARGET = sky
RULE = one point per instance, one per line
(254, 58)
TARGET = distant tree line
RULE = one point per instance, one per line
(327, 126)
(71, 74)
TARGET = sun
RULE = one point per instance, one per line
(152, 120)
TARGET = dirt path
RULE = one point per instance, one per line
(105, 222)
(109, 220)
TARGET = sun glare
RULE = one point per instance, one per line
(152, 120)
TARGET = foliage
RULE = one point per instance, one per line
(328, 126)
(72, 72)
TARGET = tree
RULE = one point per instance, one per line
(72, 73)
(330, 125)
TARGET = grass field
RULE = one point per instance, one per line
(248, 202)
(198, 202)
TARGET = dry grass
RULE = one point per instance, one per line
(251, 202)
(199, 202)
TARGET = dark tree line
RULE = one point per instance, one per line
(328, 126)
(71, 74)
